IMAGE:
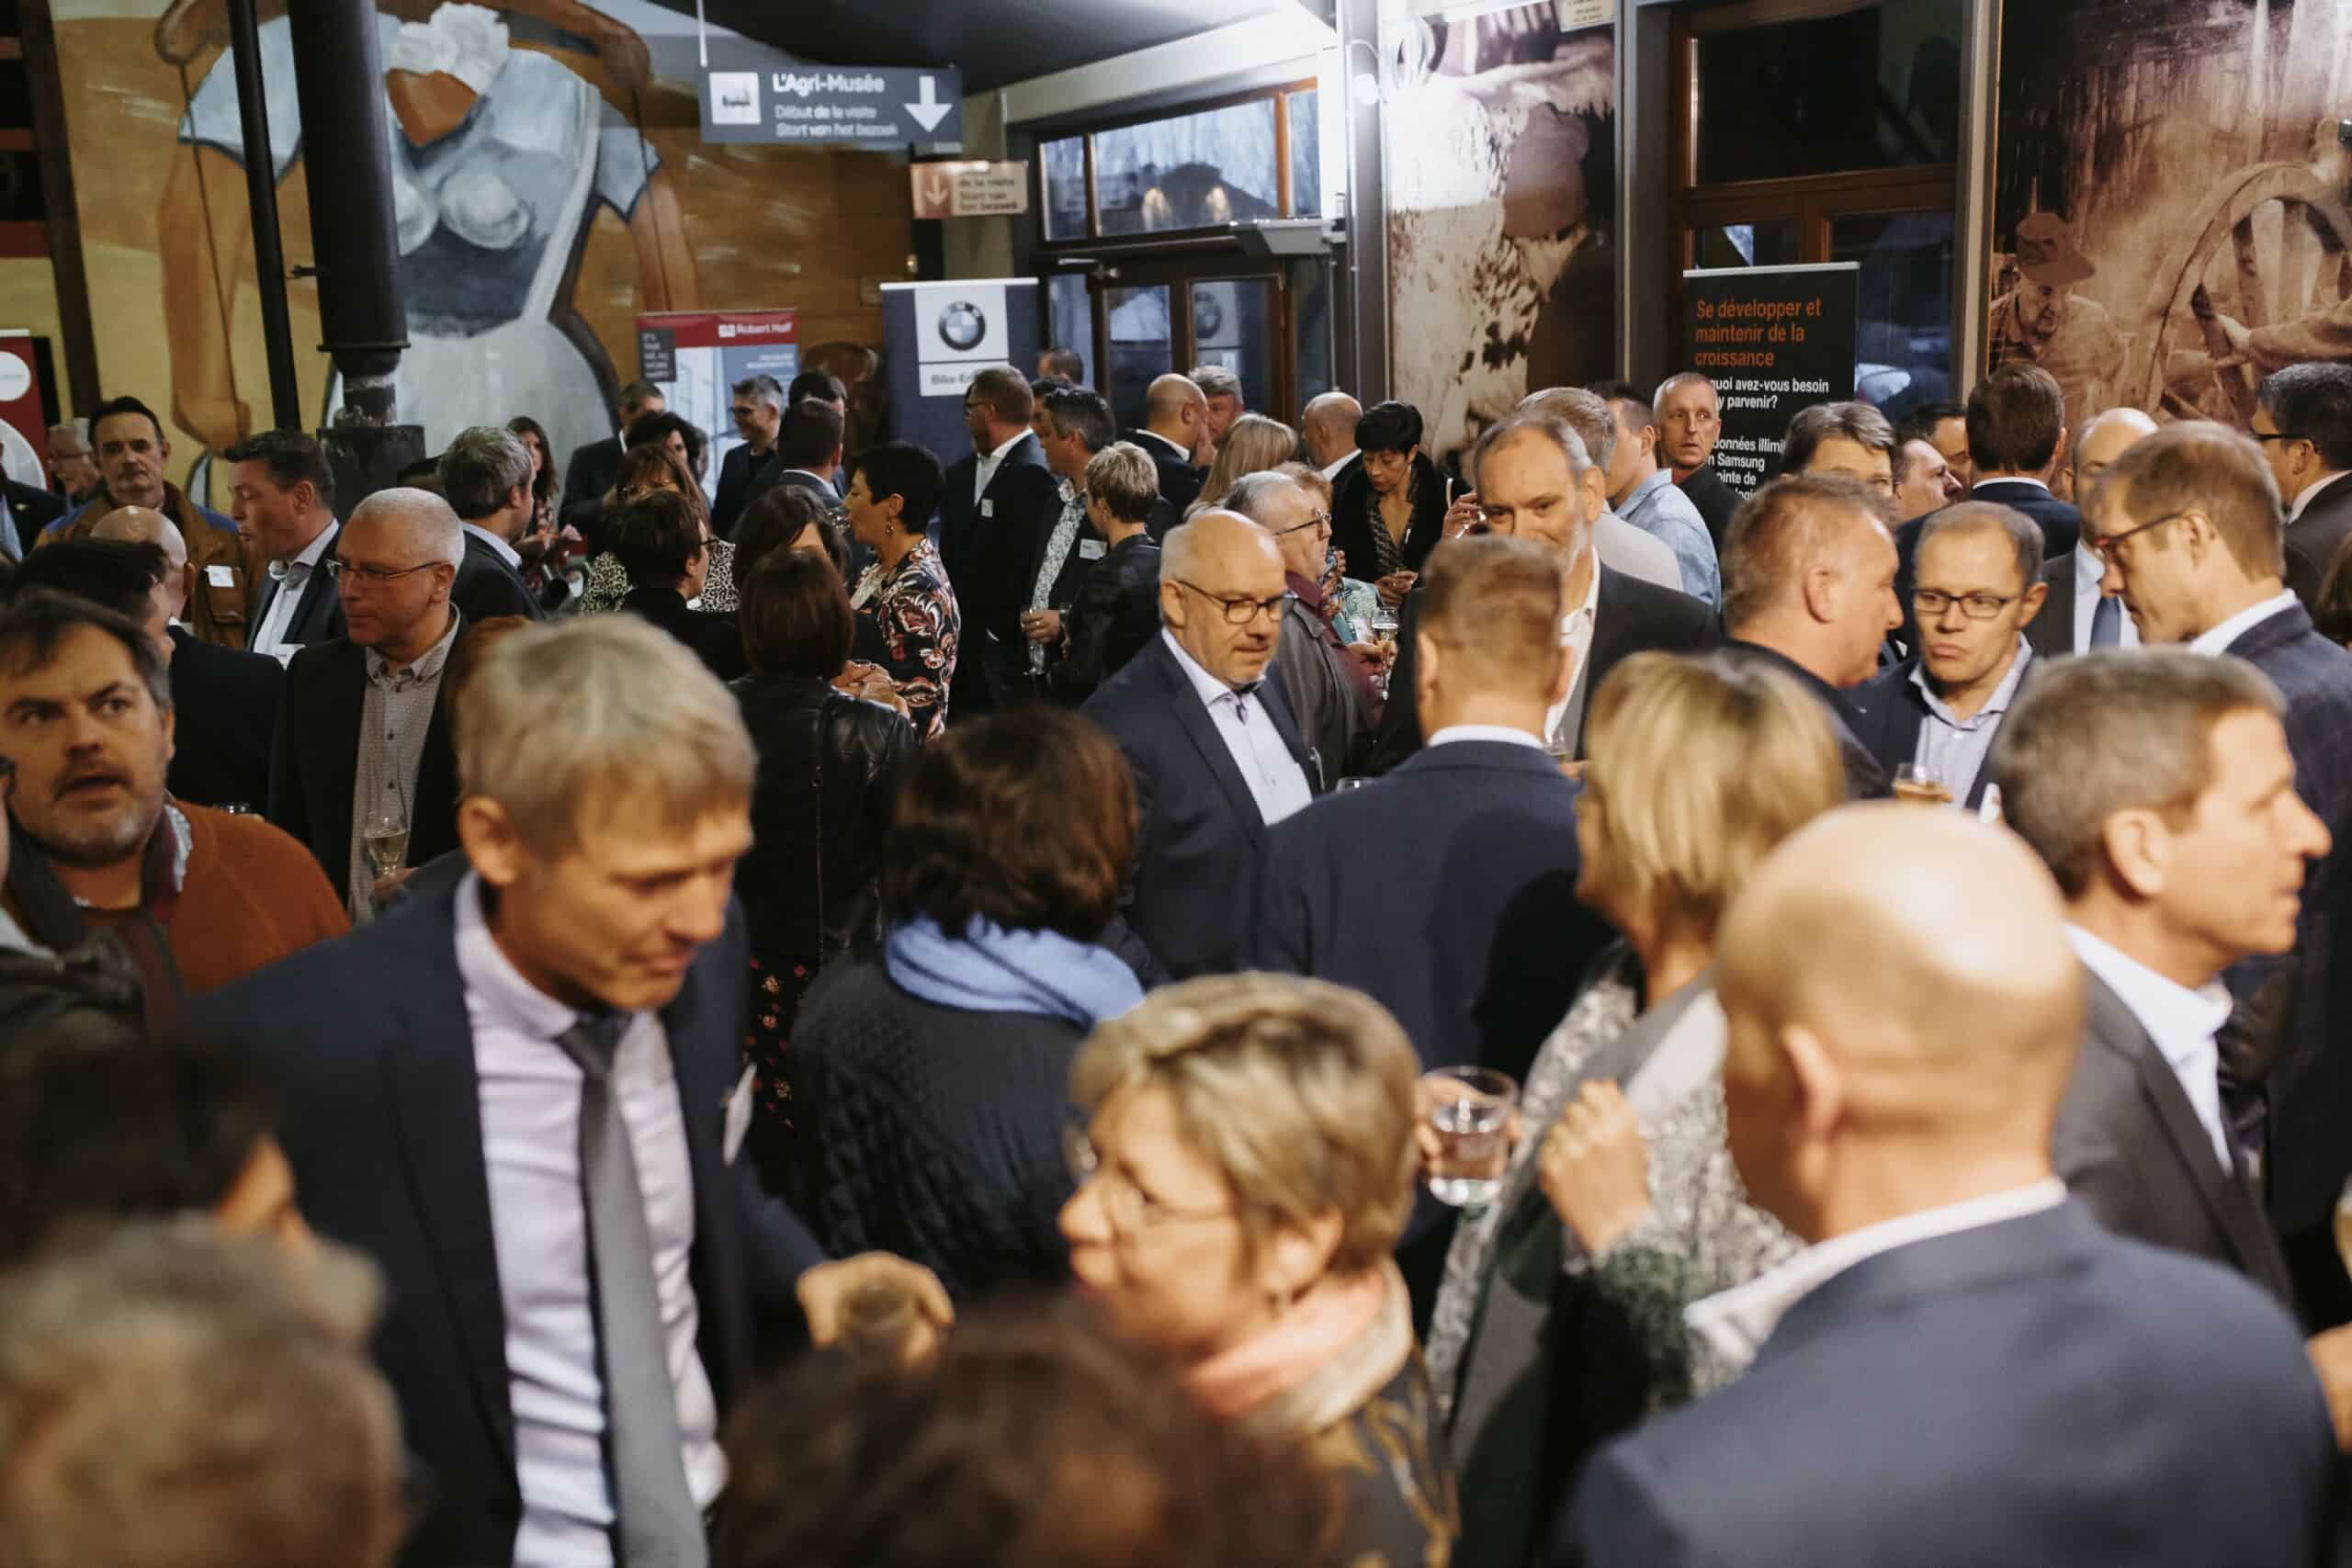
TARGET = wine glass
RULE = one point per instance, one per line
(386, 837)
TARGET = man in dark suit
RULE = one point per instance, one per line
(1941, 708)
(1963, 1366)
(1175, 422)
(1474, 838)
(1216, 755)
(750, 470)
(1809, 589)
(997, 509)
(810, 445)
(451, 1083)
(2189, 523)
(1327, 436)
(486, 479)
(595, 466)
(364, 733)
(25, 510)
(2302, 420)
(283, 495)
(1690, 418)
(2078, 615)
(1536, 482)
(2162, 894)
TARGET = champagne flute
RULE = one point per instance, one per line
(386, 838)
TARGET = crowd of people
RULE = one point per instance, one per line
(1214, 994)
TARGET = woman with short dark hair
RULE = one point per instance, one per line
(663, 544)
(820, 808)
(1389, 511)
(930, 1079)
(789, 517)
(643, 470)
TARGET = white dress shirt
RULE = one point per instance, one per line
(1501, 733)
(2090, 571)
(993, 462)
(1154, 436)
(2304, 496)
(529, 1091)
(1276, 781)
(1576, 636)
(2009, 480)
(2218, 638)
(2182, 1022)
(505, 551)
(270, 636)
(1331, 469)
(1956, 747)
(1736, 1322)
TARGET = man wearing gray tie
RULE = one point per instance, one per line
(2077, 617)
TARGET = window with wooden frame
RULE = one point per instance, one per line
(1228, 159)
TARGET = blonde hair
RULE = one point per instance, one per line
(592, 709)
(1300, 1091)
(1253, 445)
(1700, 767)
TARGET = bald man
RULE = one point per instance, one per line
(2075, 617)
(364, 737)
(1962, 1367)
(225, 699)
(1175, 424)
(1328, 432)
(1215, 750)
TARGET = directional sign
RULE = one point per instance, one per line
(761, 100)
(969, 190)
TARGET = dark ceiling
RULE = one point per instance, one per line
(993, 41)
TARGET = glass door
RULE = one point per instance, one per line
(1158, 316)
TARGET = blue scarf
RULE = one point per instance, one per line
(989, 969)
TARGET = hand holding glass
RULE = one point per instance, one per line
(1468, 1111)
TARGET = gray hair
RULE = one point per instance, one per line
(559, 716)
(2089, 433)
(1855, 422)
(1215, 381)
(171, 1398)
(1585, 412)
(1675, 383)
(1252, 494)
(767, 388)
(432, 526)
(1972, 516)
(1549, 427)
(480, 470)
(2110, 731)
(1123, 479)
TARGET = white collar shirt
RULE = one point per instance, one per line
(2089, 571)
(985, 474)
(293, 579)
(2304, 497)
(2010, 479)
(1501, 734)
(1575, 635)
(1244, 723)
(2183, 1023)
(1331, 469)
(505, 551)
(2217, 639)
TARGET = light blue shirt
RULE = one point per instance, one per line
(1956, 747)
(1658, 508)
(1276, 781)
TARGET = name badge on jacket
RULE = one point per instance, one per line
(988, 509)
(1092, 549)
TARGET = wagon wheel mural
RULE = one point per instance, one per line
(2271, 245)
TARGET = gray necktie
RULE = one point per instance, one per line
(659, 1526)
(2107, 622)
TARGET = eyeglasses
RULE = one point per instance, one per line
(339, 568)
(1931, 603)
(2102, 547)
(1321, 520)
(2279, 436)
(1242, 611)
(1128, 1206)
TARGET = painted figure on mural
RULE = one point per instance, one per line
(501, 156)
(2040, 321)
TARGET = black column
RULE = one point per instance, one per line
(260, 192)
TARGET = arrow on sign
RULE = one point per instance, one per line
(931, 111)
(936, 191)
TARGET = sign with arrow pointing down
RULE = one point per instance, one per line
(970, 189)
(765, 99)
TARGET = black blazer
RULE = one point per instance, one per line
(1715, 499)
(318, 617)
(488, 588)
(225, 707)
(1180, 482)
(2062, 528)
(1116, 611)
(32, 509)
(1464, 923)
(986, 547)
(742, 480)
(2032, 1390)
(368, 1053)
(1351, 526)
(1630, 616)
(1201, 836)
(2050, 633)
(1865, 779)
(2131, 1149)
(314, 763)
(1888, 710)
(716, 640)
(2316, 538)
(592, 472)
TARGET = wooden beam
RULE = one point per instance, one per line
(50, 140)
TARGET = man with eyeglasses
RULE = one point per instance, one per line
(1216, 753)
(2190, 526)
(363, 739)
(2077, 616)
(1979, 585)
(1329, 688)
(2302, 421)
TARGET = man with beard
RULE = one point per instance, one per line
(199, 897)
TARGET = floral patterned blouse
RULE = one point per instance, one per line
(908, 624)
(604, 584)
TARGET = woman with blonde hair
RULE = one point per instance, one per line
(1246, 1169)
(1254, 445)
(1559, 1323)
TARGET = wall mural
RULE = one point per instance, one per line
(2169, 212)
(1501, 181)
(546, 188)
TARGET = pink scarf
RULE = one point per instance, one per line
(1350, 1335)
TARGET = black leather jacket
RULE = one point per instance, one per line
(828, 770)
(1117, 612)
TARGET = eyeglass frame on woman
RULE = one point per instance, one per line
(1142, 1211)
(1252, 608)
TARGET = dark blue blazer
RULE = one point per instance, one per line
(2310, 1082)
(487, 587)
(224, 712)
(1197, 853)
(990, 556)
(364, 1046)
(318, 617)
(1463, 923)
(2062, 526)
(1888, 710)
(2030, 1392)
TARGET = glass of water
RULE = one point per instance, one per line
(1469, 1109)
